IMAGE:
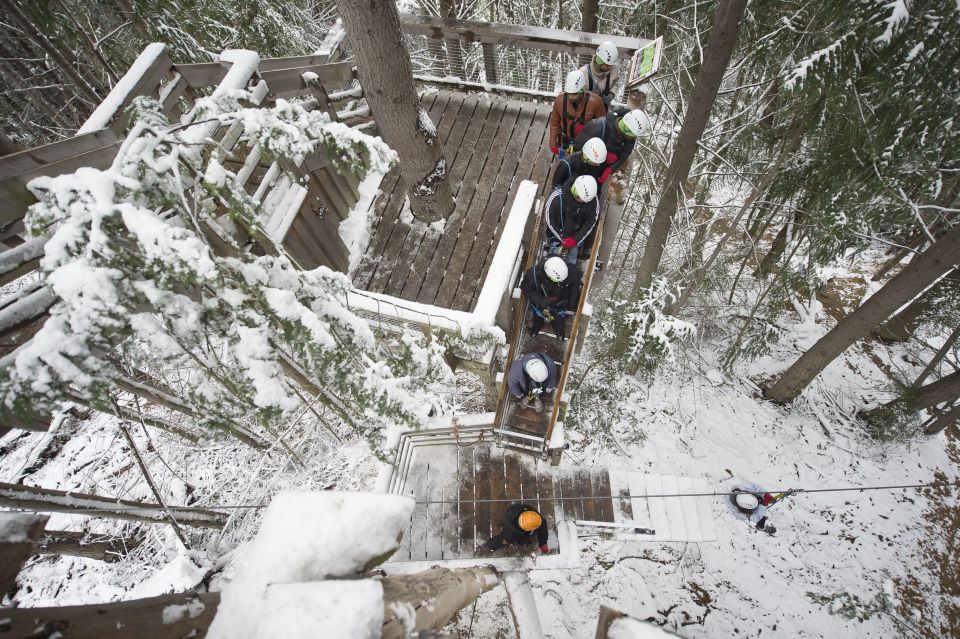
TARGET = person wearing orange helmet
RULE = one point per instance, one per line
(522, 523)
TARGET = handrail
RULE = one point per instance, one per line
(574, 42)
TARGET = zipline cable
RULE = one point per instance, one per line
(786, 492)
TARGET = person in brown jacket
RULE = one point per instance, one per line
(571, 111)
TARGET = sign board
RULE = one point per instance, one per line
(645, 63)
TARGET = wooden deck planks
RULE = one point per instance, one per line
(479, 134)
(444, 121)
(481, 488)
(493, 163)
(466, 472)
(602, 493)
(393, 253)
(460, 145)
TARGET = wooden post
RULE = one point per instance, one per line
(490, 63)
(319, 92)
(20, 533)
(164, 617)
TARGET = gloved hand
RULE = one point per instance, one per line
(545, 549)
(611, 158)
(605, 175)
(547, 315)
(577, 128)
(568, 242)
(555, 150)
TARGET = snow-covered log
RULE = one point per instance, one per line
(164, 617)
(78, 544)
(59, 501)
(429, 599)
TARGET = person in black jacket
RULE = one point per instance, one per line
(573, 211)
(619, 131)
(522, 523)
(590, 161)
(553, 289)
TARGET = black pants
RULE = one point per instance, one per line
(537, 321)
(497, 542)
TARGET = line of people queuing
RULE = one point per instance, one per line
(592, 140)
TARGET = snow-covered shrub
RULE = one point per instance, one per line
(602, 402)
(139, 284)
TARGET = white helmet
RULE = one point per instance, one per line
(747, 501)
(607, 53)
(575, 82)
(594, 151)
(636, 122)
(584, 188)
(555, 268)
(536, 369)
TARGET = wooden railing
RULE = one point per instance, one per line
(502, 56)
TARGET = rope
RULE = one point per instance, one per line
(791, 491)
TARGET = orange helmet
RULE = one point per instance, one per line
(529, 520)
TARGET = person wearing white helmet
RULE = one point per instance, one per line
(619, 130)
(601, 74)
(591, 160)
(572, 109)
(553, 289)
(750, 502)
(530, 377)
(572, 213)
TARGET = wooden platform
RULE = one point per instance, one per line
(485, 471)
(491, 144)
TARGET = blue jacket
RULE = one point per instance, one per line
(520, 383)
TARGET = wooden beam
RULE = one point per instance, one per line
(38, 157)
(164, 617)
(18, 534)
(526, 37)
(59, 501)
(288, 82)
(21, 259)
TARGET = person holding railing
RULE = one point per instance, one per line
(572, 109)
(601, 74)
(573, 211)
(531, 376)
(553, 289)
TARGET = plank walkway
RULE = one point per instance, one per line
(486, 471)
(491, 144)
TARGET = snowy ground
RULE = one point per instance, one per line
(865, 554)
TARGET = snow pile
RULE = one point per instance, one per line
(627, 628)
(341, 609)
(308, 537)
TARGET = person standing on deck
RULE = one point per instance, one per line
(531, 376)
(750, 502)
(522, 524)
(572, 109)
(601, 74)
(590, 161)
(554, 292)
(573, 211)
(618, 130)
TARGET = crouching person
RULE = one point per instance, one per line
(750, 502)
(531, 376)
(522, 525)
(553, 288)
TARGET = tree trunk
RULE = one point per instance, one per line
(589, 10)
(57, 501)
(20, 532)
(939, 259)
(943, 390)
(373, 29)
(952, 416)
(436, 595)
(78, 544)
(717, 55)
(164, 617)
(901, 326)
(937, 358)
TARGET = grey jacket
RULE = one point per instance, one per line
(520, 383)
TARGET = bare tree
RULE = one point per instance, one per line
(934, 263)
(589, 10)
(715, 59)
(373, 29)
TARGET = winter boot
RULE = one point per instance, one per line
(537, 404)
(770, 529)
(524, 403)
